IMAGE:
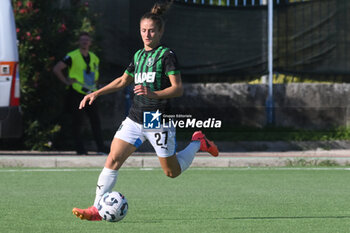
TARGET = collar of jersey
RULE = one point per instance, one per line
(152, 50)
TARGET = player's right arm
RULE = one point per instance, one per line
(113, 86)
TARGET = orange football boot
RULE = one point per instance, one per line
(90, 214)
(206, 145)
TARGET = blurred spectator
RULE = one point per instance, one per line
(82, 79)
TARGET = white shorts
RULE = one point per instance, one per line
(163, 140)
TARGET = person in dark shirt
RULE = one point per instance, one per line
(155, 73)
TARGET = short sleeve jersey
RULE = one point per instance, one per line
(152, 69)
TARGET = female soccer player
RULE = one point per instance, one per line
(155, 73)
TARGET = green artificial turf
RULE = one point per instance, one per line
(200, 200)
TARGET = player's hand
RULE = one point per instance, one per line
(142, 90)
(90, 98)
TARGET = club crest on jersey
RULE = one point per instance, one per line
(150, 61)
(147, 77)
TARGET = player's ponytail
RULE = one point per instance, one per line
(156, 13)
(160, 8)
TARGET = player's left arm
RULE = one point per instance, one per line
(175, 89)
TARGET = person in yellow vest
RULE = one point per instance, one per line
(82, 77)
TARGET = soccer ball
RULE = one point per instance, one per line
(113, 206)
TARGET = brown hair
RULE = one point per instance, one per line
(156, 13)
(83, 33)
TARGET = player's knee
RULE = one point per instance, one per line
(113, 162)
(172, 174)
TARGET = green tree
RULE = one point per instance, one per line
(45, 31)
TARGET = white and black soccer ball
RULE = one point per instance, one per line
(113, 206)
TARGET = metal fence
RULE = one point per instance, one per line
(310, 37)
(239, 3)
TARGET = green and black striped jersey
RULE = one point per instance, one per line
(151, 69)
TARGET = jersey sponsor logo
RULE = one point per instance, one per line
(147, 77)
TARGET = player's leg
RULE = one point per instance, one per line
(120, 151)
(126, 141)
(174, 165)
(170, 166)
(199, 142)
(163, 141)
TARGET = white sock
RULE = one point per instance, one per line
(186, 156)
(105, 183)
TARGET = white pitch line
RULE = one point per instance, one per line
(72, 169)
(49, 170)
(277, 168)
(192, 169)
